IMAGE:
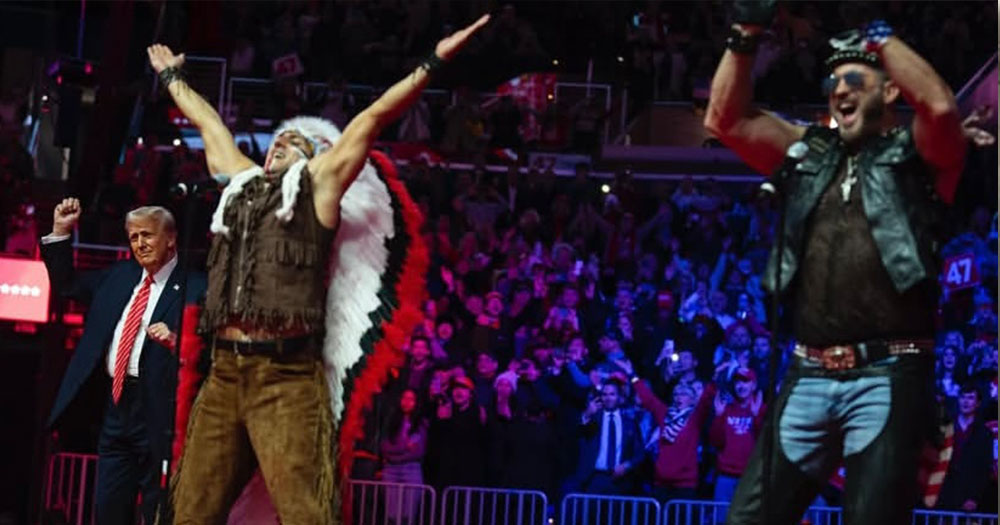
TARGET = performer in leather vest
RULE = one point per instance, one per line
(274, 395)
(858, 272)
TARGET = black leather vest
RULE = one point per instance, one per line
(897, 189)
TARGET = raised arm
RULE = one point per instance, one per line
(336, 168)
(937, 125)
(221, 152)
(758, 137)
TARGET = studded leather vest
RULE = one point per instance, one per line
(897, 190)
(268, 274)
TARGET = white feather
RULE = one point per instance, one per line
(357, 263)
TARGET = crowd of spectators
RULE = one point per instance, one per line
(547, 296)
(657, 50)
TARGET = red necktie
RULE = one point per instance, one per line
(127, 340)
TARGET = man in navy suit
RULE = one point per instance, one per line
(128, 342)
(611, 447)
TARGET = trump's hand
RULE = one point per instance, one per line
(161, 334)
(65, 216)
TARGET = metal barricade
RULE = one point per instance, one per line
(69, 487)
(484, 506)
(823, 516)
(384, 503)
(937, 517)
(697, 512)
(585, 509)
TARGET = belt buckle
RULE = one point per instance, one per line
(838, 358)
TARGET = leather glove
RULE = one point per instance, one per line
(754, 12)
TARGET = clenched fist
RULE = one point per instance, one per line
(65, 216)
(161, 57)
(161, 334)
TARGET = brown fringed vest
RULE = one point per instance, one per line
(268, 274)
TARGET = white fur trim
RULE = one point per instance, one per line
(290, 182)
(234, 188)
(357, 263)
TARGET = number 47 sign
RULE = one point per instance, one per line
(960, 272)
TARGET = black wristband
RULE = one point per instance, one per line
(170, 74)
(432, 63)
(741, 43)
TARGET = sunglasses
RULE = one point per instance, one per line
(853, 79)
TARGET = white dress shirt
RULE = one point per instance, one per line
(602, 453)
(155, 289)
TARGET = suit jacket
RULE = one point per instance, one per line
(969, 470)
(590, 444)
(108, 292)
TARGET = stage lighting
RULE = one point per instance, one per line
(605, 188)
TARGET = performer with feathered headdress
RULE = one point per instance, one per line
(315, 272)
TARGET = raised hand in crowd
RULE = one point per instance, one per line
(720, 403)
(972, 130)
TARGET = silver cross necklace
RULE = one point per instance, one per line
(849, 181)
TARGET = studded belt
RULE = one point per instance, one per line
(846, 357)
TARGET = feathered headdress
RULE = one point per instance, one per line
(321, 133)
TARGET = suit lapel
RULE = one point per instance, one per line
(171, 292)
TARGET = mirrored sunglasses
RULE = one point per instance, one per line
(853, 79)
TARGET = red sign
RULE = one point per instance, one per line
(287, 66)
(960, 272)
(24, 290)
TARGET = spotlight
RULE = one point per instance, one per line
(177, 142)
(674, 357)
(605, 188)
(139, 141)
(45, 98)
(555, 61)
(621, 59)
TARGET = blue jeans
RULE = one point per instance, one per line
(874, 419)
(725, 486)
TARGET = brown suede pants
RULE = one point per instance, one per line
(258, 410)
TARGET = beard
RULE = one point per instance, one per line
(868, 124)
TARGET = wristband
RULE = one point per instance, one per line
(877, 33)
(742, 43)
(170, 74)
(432, 63)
